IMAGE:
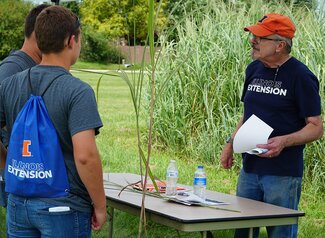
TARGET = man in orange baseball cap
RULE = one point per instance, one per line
(275, 28)
(273, 23)
(284, 93)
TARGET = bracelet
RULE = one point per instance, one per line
(229, 140)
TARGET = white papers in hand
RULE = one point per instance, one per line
(254, 131)
(256, 151)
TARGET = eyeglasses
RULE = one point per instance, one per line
(75, 28)
(258, 39)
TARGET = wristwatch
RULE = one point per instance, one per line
(229, 140)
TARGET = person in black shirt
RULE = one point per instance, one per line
(284, 93)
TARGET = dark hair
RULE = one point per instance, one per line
(31, 19)
(53, 25)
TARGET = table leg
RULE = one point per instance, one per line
(110, 222)
(204, 234)
(250, 234)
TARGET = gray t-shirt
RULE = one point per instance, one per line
(16, 62)
(72, 107)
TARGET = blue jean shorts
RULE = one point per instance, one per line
(34, 218)
(282, 191)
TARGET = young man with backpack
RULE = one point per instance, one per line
(72, 109)
(28, 56)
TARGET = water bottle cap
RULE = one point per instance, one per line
(200, 167)
(172, 160)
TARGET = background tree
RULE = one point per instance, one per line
(120, 18)
(73, 6)
(97, 48)
(12, 17)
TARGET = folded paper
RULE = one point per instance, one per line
(254, 131)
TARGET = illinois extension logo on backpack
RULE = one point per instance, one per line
(27, 168)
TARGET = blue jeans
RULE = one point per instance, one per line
(277, 190)
(31, 218)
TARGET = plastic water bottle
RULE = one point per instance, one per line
(200, 182)
(171, 178)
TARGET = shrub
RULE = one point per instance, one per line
(12, 17)
(96, 48)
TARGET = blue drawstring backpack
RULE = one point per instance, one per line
(35, 164)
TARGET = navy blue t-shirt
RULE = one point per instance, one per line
(282, 98)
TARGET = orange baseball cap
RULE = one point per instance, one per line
(273, 23)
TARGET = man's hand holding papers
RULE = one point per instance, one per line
(253, 132)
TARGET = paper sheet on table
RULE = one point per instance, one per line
(189, 198)
(254, 131)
